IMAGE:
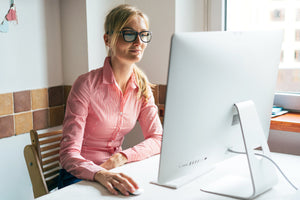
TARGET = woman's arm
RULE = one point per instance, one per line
(152, 130)
(116, 160)
(73, 132)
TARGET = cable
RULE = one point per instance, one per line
(270, 159)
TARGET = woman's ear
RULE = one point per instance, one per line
(106, 40)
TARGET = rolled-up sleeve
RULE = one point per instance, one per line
(73, 132)
(152, 131)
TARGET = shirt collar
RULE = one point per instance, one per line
(108, 75)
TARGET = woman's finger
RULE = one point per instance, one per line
(113, 181)
(126, 183)
(130, 180)
(119, 186)
(110, 187)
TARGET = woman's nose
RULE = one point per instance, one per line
(137, 41)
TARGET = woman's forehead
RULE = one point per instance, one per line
(136, 22)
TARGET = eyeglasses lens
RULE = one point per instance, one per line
(130, 36)
(145, 36)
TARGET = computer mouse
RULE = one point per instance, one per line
(138, 191)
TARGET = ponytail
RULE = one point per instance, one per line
(143, 83)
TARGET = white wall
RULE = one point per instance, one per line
(96, 11)
(190, 16)
(74, 39)
(30, 53)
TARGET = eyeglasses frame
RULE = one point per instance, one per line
(136, 34)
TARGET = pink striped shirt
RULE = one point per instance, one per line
(98, 116)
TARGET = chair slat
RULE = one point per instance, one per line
(52, 146)
(51, 153)
(43, 135)
(51, 160)
(47, 175)
(50, 140)
(50, 167)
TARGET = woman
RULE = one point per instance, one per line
(104, 105)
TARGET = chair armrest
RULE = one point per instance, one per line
(35, 171)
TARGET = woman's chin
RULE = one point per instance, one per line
(136, 58)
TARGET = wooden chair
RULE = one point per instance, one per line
(42, 160)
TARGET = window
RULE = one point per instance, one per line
(277, 15)
(273, 14)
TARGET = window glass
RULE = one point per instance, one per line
(272, 14)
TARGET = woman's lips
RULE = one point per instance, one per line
(137, 51)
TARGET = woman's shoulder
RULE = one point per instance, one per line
(92, 76)
(88, 81)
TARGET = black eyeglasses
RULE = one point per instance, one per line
(131, 35)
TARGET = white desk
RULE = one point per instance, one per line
(145, 171)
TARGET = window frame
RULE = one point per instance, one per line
(216, 11)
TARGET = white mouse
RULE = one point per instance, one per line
(138, 191)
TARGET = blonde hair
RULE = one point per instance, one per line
(114, 23)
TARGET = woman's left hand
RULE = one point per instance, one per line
(114, 161)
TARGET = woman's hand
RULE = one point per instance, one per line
(116, 181)
(114, 161)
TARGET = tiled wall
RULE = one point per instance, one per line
(32, 109)
(43, 108)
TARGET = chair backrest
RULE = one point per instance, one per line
(42, 160)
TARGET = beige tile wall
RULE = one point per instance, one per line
(32, 109)
(43, 108)
(6, 104)
(39, 98)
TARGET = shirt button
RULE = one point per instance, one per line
(121, 113)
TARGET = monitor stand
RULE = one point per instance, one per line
(262, 174)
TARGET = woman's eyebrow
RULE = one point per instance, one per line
(126, 28)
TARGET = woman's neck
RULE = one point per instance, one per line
(122, 72)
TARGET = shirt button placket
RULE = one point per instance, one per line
(119, 118)
(121, 106)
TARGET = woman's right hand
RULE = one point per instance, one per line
(113, 181)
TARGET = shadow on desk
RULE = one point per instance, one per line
(95, 186)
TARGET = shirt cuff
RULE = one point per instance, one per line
(130, 154)
(90, 174)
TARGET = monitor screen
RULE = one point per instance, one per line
(208, 73)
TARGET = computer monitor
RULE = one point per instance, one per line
(219, 96)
